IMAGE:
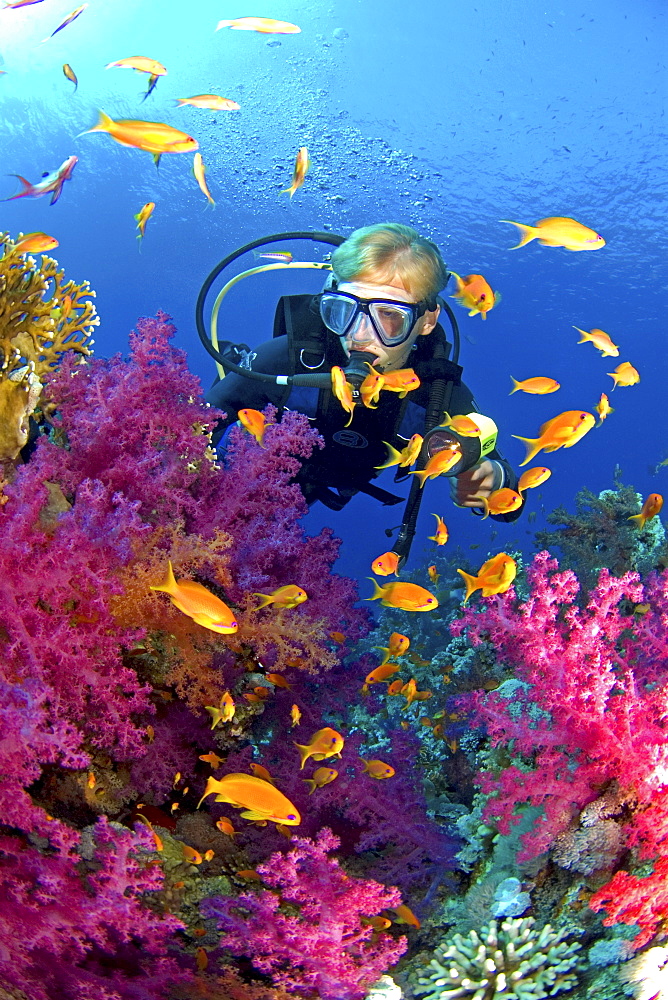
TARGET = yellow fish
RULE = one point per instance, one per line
(397, 646)
(199, 170)
(624, 374)
(558, 231)
(198, 603)
(141, 64)
(325, 743)
(600, 340)
(494, 576)
(370, 388)
(254, 422)
(224, 713)
(562, 431)
(283, 597)
(295, 715)
(385, 564)
(650, 509)
(474, 294)
(35, 243)
(533, 477)
(343, 391)
(258, 799)
(321, 776)
(261, 772)
(537, 386)
(71, 75)
(381, 673)
(142, 217)
(407, 456)
(441, 535)
(433, 574)
(403, 380)
(461, 424)
(440, 463)
(603, 409)
(152, 137)
(501, 501)
(302, 164)
(377, 769)
(212, 758)
(210, 102)
(406, 596)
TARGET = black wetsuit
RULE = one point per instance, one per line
(346, 463)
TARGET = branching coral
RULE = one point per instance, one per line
(511, 960)
(35, 332)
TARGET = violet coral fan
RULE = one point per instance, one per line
(305, 930)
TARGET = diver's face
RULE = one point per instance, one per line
(363, 337)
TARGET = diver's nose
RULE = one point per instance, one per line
(362, 331)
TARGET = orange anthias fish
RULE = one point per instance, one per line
(624, 374)
(258, 799)
(386, 564)
(405, 596)
(440, 463)
(603, 409)
(600, 340)
(370, 388)
(68, 20)
(461, 424)
(558, 231)
(501, 501)
(35, 243)
(441, 535)
(650, 509)
(402, 381)
(562, 431)
(265, 25)
(343, 391)
(321, 776)
(407, 456)
(433, 574)
(141, 64)
(210, 102)
(224, 713)
(494, 576)
(199, 172)
(295, 715)
(225, 826)
(302, 164)
(260, 771)
(474, 294)
(377, 769)
(152, 137)
(406, 916)
(142, 217)
(381, 673)
(537, 386)
(325, 743)
(254, 422)
(198, 603)
(279, 681)
(397, 646)
(211, 758)
(378, 923)
(395, 687)
(283, 597)
(533, 477)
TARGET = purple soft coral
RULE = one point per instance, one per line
(325, 947)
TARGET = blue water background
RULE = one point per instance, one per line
(442, 115)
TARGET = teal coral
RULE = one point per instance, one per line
(511, 960)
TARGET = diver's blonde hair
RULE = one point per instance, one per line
(387, 251)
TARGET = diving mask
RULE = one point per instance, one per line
(391, 319)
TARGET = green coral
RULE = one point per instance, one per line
(511, 960)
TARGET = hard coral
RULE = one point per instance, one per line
(510, 960)
(35, 331)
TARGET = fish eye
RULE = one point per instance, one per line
(482, 297)
(291, 816)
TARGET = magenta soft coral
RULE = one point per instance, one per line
(323, 949)
(588, 714)
(65, 923)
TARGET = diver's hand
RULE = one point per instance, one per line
(469, 486)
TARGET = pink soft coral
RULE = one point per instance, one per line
(307, 933)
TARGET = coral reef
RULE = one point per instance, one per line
(511, 959)
(42, 316)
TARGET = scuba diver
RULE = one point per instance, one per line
(378, 312)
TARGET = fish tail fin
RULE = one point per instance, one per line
(584, 335)
(104, 123)
(528, 233)
(472, 583)
(224, 24)
(311, 784)
(394, 457)
(377, 591)
(304, 754)
(289, 190)
(383, 649)
(533, 447)
(640, 518)
(266, 600)
(418, 473)
(458, 280)
(168, 585)
(25, 190)
(485, 505)
(516, 386)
